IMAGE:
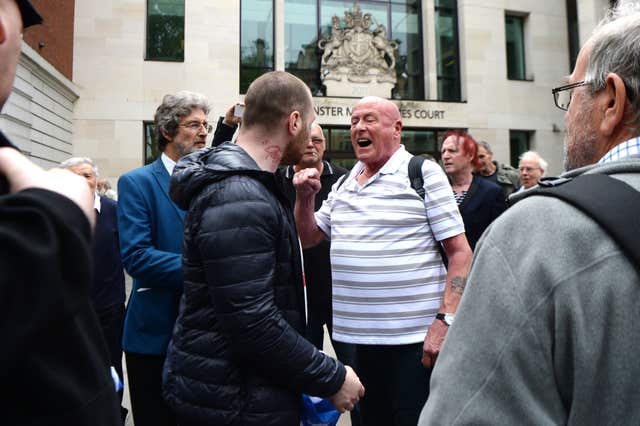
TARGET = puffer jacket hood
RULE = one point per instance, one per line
(199, 169)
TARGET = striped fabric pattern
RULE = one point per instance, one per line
(388, 276)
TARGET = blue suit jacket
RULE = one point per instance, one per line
(150, 226)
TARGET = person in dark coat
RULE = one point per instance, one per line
(54, 366)
(108, 290)
(237, 355)
(480, 201)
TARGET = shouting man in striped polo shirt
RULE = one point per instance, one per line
(390, 285)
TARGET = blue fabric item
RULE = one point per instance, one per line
(150, 226)
(318, 412)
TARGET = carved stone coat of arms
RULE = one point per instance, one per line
(357, 60)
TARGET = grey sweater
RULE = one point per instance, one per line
(548, 329)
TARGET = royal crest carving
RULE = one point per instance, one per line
(358, 55)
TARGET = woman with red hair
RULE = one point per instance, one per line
(479, 201)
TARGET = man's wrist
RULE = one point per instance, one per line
(447, 318)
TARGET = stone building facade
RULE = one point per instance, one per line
(485, 66)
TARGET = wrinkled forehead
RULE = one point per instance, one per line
(378, 106)
(529, 162)
(483, 151)
(82, 168)
(453, 141)
(316, 132)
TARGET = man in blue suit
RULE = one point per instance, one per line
(150, 226)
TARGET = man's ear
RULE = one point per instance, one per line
(165, 135)
(614, 101)
(3, 31)
(294, 121)
(397, 127)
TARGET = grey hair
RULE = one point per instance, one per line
(173, 108)
(77, 161)
(616, 49)
(485, 145)
(534, 156)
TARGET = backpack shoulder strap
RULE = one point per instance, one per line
(611, 203)
(415, 174)
(341, 180)
(417, 183)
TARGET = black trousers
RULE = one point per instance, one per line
(111, 322)
(396, 384)
(145, 389)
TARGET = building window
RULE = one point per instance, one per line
(519, 143)
(256, 40)
(151, 151)
(447, 50)
(301, 56)
(573, 33)
(165, 30)
(307, 21)
(516, 69)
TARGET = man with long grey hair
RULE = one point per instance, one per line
(547, 329)
(150, 227)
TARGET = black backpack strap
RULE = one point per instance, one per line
(611, 203)
(341, 180)
(414, 170)
(415, 174)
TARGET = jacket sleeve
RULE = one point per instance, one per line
(45, 266)
(494, 367)
(223, 133)
(498, 203)
(140, 257)
(237, 241)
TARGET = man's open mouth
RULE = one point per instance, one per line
(363, 142)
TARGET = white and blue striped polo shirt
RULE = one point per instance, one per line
(388, 276)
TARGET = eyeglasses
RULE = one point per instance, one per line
(562, 94)
(195, 126)
(528, 169)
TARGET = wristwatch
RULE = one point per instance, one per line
(446, 318)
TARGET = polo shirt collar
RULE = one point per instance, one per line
(391, 166)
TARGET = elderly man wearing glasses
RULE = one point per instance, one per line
(547, 329)
(532, 167)
(150, 227)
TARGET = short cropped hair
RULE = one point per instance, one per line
(468, 145)
(485, 145)
(172, 109)
(77, 161)
(616, 49)
(534, 156)
(272, 97)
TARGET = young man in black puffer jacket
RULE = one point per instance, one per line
(237, 355)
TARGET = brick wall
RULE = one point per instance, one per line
(53, 40)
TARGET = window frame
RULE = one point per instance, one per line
(242, 90)
(524, 19)
(514, 155)
(439, 77)
(146, 37)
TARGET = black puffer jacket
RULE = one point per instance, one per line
(237, 356)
